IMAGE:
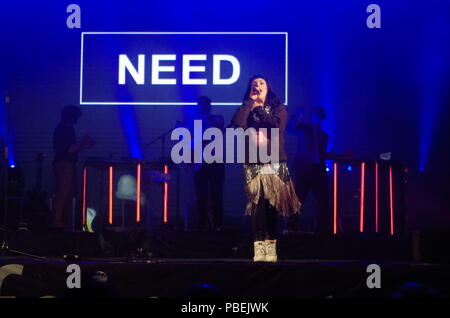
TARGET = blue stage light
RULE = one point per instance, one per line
(129, 125)
(434, 60)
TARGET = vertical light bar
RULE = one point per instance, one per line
(391, 197)
(335, 199)
(110, 195)
(84, 197)
(361, 215)
(138, 194)
(166, 194)
(376, 197)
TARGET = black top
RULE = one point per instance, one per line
(259, 117)
(63, 137)
(316, 142)
(312, 142)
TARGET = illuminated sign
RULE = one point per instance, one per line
(174, 68)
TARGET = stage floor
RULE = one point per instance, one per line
(174, 264)
(161, 278)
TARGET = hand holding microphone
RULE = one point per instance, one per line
(255, 94)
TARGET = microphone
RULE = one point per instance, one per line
(256, 91)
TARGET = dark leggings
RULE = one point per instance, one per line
(264, 220)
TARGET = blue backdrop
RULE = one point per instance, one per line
(384, 90)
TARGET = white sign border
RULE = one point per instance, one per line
(177, 103)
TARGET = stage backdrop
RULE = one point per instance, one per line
(136, 67)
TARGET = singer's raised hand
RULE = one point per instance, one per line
(255, 95)
(258, 92)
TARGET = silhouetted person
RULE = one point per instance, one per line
(66, 150)
(208, 177)
(309, 165)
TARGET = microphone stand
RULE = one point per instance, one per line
(163, 144)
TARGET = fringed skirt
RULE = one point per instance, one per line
(277, 188)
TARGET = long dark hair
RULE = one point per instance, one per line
(271, 99)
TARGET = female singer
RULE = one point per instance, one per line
(270, 191)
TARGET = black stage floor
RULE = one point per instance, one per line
(227, 278)
(176, 264)
(224, 244)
